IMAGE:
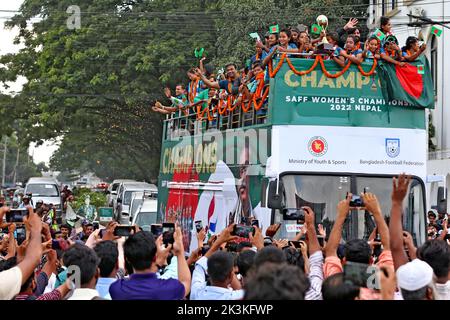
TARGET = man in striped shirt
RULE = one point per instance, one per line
(315, 258)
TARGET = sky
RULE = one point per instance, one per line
(44, 152)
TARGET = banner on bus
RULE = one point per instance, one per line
(349, 149)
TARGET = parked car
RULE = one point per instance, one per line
(47, 190)
(146, 215)
(124, 195)
(138, 198)
(112, 191)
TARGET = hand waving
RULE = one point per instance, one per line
(400, 187)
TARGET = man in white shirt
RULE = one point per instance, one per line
(11, 280)
(219, 266)
(87, 261)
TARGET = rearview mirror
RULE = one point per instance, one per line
(274, 198)
(119, 200)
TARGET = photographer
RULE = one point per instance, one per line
(12, 279)
(146, 256)
(220, 268)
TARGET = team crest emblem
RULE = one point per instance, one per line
(317, 146)
(392, 147)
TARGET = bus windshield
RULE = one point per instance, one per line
(322, 193)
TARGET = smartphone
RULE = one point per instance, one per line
(156, 229)
(20, 235)
(243, 231)
(356, 201)
(123, 231)
(357, 273)
(168, 229)
(204, 250)
(321, 240)
(198, 225)
(255, 223)
(55, 245)
(293, 214)
(296, 244)
(16, 215)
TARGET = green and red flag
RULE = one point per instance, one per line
(411, 83)
(421, 69)
(274, 29)
(316, 29)
(436, 31)
(379, 34)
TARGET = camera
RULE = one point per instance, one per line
(198, 225)
(156, 229)
(293, 214)
(243, 231)
(168, 229)
(16, 215)
(123, 231)
(356, 201)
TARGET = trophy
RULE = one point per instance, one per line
(324, 46)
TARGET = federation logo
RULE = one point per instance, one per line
(392, 147)
(317, 146)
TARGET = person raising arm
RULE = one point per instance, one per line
(399, 190)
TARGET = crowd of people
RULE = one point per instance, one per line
(98, 264)
(210, 93)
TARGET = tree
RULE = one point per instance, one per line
(94, 85)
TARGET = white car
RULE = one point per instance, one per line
(47, 190)
(112, 191)
(146, 215)
(124, 196)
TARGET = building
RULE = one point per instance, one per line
(438, 166)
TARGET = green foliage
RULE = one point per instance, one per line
(93, 86)
(98, 199)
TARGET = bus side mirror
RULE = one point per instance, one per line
(119, 200)
(274, 198)
(441, 200)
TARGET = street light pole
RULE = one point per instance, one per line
(4, 160)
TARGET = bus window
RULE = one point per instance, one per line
(414, 212)
(321, 193)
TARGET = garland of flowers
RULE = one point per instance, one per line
(318, 59)
(372, 70)
(336, 75)
(220, 109)
(193, 90)
(302, 73)
(272, 73)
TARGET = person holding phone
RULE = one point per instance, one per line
(144, 255)
(220, 268)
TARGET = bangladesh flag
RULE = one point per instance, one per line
(411, 83)
(379, 34)
(274, 29)
(436, 31)
(316, 29)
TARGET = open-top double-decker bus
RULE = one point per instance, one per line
(321, 132)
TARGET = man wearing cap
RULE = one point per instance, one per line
(415, 280)
(25, 201)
